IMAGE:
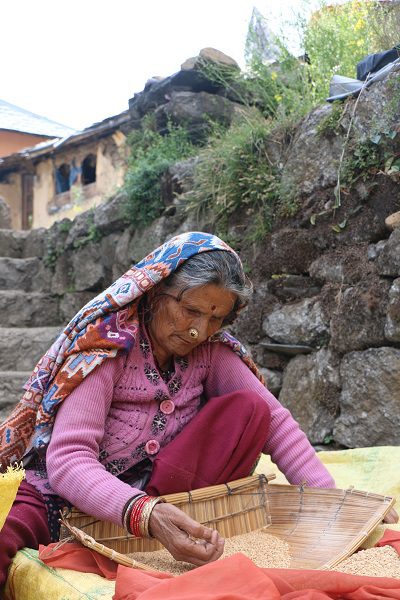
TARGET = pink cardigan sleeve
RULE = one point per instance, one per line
(72, 459)
(287, 445)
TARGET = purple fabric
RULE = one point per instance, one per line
(221, 444)
(26, 525)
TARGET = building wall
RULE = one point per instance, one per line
(12, 194)
(13, 141)
(49, 207)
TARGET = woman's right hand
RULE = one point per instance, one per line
(183, 537)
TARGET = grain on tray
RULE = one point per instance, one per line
(263, 549)
(373, 562)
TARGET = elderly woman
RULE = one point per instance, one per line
(144, 394)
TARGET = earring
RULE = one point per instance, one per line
(193, 333)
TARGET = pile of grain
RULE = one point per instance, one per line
(374, 562)
(264, 550)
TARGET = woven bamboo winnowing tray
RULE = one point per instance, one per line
(233, 508)
(323, 526)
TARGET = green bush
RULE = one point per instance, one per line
(235, 170)
(151, 154)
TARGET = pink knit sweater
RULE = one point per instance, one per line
(124, 411)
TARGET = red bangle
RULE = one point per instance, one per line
(140, 515)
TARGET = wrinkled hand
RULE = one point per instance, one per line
(391, 516)
(175, 530)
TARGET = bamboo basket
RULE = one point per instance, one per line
(234, 508)
(321, 526)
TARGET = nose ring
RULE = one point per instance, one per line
(193, 333)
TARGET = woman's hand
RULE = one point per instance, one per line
(391, 516)
(176, 530)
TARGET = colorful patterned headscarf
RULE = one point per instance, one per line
(107, 324)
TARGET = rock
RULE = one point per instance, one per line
(392, 325)
(108, 218)
(159, 93)
(348, 265)
(143, 242)
(71, 303)
(88, 268)
(35, 243)
(28, 309)
(248, 325)
(12, 243)
(23, 347)
(358, 321)
(210, 55)
(11, 390)
(107, 248)
(5, 215)
(374, 250)
(303, 322)
(313, 160)
(63, 275)
(393, 221)
(26, 274)
(122, 259)
(388, 261)
(288, 349)
(310, 390)
(178, 179)
(288, 287)
(273, 380)
(370, 399)
(194, 111)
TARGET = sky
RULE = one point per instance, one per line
(79, 61)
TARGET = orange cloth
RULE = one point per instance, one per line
(233, 578)
(74, 556)
(390, 538)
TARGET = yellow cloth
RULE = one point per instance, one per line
(30, 579)
(9, 484)
(368, 469)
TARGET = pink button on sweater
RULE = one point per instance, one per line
(105, 426)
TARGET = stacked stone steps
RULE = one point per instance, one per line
(20, 349)
(29, 314)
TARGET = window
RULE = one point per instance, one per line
(63, 178)
(88, 169)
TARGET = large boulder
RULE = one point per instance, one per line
(359, 316)
(388, 261)
(195, 111)
(370, 399)
(310, 390)
(303, 322)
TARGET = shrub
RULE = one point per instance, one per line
(151, 154)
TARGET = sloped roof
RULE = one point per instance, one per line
(15, 118)
(55, 145)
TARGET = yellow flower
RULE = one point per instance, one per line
(359, 25)
(277, 97)
(360, 43)
(273, 75)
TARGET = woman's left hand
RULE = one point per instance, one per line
(391, 516)
(183, 537)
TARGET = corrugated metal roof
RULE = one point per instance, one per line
(15, 118)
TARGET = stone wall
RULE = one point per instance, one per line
(324, 322)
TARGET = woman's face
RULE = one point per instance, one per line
(203, 308)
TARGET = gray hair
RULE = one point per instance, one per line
(218, 267)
